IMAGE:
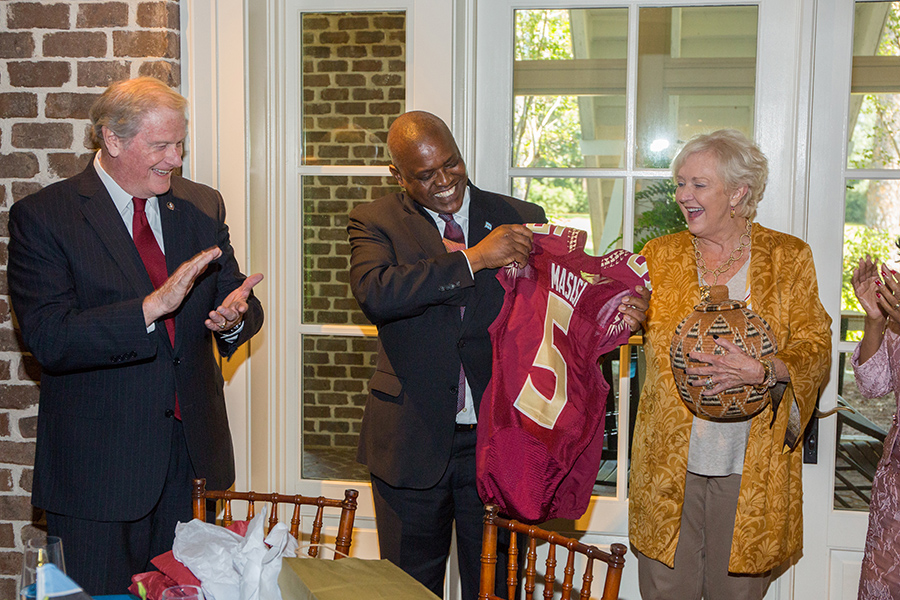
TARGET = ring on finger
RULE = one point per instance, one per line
(222, 325)
(897, 306)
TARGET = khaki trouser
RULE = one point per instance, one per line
(704, 545)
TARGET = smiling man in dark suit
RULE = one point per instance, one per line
(122, 278)
(423, 266)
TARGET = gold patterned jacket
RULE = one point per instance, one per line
(783, 289)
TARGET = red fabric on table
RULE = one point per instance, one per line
(154, 583)
(172, 571)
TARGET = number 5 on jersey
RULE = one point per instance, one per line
(544, 410)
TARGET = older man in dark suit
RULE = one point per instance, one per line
(423, 267)
(122, 278)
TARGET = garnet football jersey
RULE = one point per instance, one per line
(540, 425)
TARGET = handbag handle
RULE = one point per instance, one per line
(329, 546)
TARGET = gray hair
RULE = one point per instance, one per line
(121, 108)
(739, 162)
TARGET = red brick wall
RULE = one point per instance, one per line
(55, 58)
(354, 86)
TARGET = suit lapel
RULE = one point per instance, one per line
(100, 212)
(422, 228)
(176, 236)
(481, 215)
(175, 231)
(482, 219)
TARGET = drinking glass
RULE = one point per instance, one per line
(39, 551)
(183, 592)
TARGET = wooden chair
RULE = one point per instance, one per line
(614, 561)
(345, 525)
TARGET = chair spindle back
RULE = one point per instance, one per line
(345, 525)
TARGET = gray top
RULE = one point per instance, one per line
(717, 448)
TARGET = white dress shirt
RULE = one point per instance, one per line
(125, 206)
(467, 415)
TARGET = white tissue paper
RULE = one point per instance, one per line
(231, 567)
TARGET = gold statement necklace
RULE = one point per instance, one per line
(744, 242)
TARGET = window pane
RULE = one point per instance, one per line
(354, 85)
(569, 88)
(875, 89)
(875, 121)
(655, 211)
(861, 437)
(336, 371)
(591, 204)
(871, 226)
(327, 200)
(875, 28)
(609, 463)
(696, 73)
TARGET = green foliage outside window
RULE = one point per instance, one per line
(664, 216)
(559, 196)
(859, 241)
(875, 142)
(546, 129)
(856, 202)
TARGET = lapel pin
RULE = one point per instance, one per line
(488, 226)
(170, 206)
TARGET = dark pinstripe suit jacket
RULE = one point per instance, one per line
(411, 288)
(77, 283)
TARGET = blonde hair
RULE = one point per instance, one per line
(121, 108)
(739, 162)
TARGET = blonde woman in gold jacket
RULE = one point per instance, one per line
(704, 529)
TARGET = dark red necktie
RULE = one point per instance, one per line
(154, 261)
(453, 234)
(454, 240)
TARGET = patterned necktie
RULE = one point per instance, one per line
(453, 234)
(154, 262)
(454, 240)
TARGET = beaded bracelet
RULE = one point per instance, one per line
(769, 376)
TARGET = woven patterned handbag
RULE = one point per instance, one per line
(730, 320)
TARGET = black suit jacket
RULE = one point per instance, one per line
(107, 385)
(411, 288)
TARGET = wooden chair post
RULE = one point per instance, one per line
(198, 499)
(614, 572)
(550, 573)
(588, 580)
(614, 559)
(569, 573)
(295, 522)
(316, 533)
(512, 566)
(488, 554)
(345, 525)
(531, 568)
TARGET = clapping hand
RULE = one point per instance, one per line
(230, 313)
(877, 289)
(168, 297)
